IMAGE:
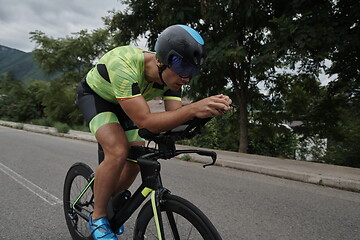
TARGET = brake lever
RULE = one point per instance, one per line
(213, 156)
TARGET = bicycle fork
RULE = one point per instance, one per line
(155, 203)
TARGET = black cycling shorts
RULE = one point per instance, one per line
(98, 112)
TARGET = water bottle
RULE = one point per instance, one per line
(116, 203)
(120, 199)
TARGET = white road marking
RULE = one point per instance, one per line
(35, 189)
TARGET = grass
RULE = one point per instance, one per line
(185, 157)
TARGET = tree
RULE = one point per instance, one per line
(312, 32)
(18, 103)
(71, 56)
(37, 91)
(236, 37)
(59, 103)
(281, 44)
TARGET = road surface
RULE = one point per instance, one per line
(242, 205)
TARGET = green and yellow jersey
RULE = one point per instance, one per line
(119, 75)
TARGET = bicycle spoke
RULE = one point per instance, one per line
(149, 232)
(191, 228)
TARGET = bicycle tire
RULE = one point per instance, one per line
(77, 178)
(190, 222)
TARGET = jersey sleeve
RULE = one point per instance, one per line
(173, 95)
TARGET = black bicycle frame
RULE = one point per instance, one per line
(151, 185)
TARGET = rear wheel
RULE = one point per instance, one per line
(181, 220)
(78, 180)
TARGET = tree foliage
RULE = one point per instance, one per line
(74, 55)
(267, 55)
(234, 36)
(311, 33)
(281, 44)
(16, 100)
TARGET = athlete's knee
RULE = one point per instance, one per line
(117, 154)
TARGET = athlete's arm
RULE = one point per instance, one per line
(138, 110)
(171, 105)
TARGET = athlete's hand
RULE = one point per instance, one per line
(212, 106)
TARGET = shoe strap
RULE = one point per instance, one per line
(103, 224)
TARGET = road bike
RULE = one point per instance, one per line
(164, 215)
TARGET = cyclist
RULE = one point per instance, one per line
(113, 98)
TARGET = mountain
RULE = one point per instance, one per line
(21, 64)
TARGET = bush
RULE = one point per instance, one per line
(272, 140)
(83, 128)
(42, 122)
(185, 157)
(219, 133)
(62, 127)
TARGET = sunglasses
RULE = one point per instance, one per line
(183, 68)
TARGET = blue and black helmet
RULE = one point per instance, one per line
(183, 42)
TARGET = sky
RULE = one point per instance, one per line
(55, 18)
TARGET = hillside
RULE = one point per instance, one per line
(21, 64)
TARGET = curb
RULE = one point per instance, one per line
(78, 135)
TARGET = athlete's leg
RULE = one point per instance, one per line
(115, 145)
(129, 172)
(104, 118)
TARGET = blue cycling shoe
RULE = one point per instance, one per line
(100, 229)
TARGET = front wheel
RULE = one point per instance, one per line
(78, 200)
(181, 220)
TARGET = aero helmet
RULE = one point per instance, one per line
(182, 42)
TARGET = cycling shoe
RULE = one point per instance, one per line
(100, 229)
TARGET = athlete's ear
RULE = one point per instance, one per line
(159, 63)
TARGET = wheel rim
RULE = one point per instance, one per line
(84, 206)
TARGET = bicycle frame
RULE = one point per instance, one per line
(151, 185)
(147, 159)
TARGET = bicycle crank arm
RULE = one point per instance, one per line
(84, 216)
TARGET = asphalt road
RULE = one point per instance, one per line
(241, 205)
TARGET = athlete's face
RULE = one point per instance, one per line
(173, 80)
